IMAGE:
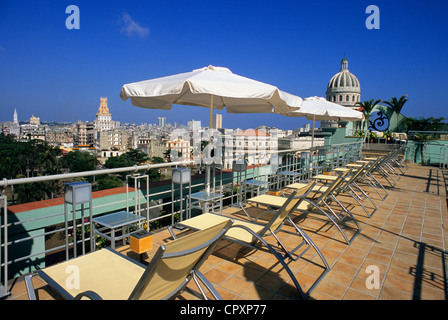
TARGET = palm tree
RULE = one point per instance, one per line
(35, 191)
(437, 123)
(396, 104)
(422, 124)
(421, 139)
(49, 159)
(367, 107)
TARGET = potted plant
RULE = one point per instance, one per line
(141, 242)
(359, 133)
(326, 169)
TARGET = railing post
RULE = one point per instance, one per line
(4, 236)
(77, 193)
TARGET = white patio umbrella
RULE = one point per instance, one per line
(211, 87)
(318, 108)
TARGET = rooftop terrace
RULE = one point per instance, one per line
(405, 240)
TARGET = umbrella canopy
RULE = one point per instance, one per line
(198, 88)
(211, 87)
(318, 108)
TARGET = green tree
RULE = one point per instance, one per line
(136, 156)
(407, 123)
(367, 107)
(9, 167)
(414, 124)
(118, 162)
(157, 160)
(397, 104)
(108, 182)
(36, 191)
(79, 161)
(29, 158)
(131, 158)
(49, 160)
(437, 124)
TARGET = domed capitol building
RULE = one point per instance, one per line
(344, 89)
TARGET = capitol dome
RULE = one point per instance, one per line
(344, 88)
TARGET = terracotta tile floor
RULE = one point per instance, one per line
(404, 243)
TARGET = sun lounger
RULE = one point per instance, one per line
(350, 182)
(323, 194)
(107, 274)
(250, 233)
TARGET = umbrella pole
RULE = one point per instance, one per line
(207, 166)
(210, 126)
(207, 179)
(312, 137)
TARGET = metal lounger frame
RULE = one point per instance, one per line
(288, 253)
(161, 253)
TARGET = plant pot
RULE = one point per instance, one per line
(275, 192)
(141, 242)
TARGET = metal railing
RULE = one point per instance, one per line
(3, 246)
(144, 200)
(442, 135)
(434, 151)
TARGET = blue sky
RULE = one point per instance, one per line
(59, 74)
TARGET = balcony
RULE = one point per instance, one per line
(404, 240)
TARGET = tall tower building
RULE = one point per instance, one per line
(217, 121)
(35, 120)
(16, 118)
(194, 125)
(103, 119)
(162, 122)
(85, 134)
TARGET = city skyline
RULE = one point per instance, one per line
(59, 74)
(160, 121)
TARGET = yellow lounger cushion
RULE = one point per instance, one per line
(104, 272)
(269, 200)
(315, 188)
(296, 185)
(208, 219)
(277, 202)
(325, 177)
(112, 275)
(172, 272)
